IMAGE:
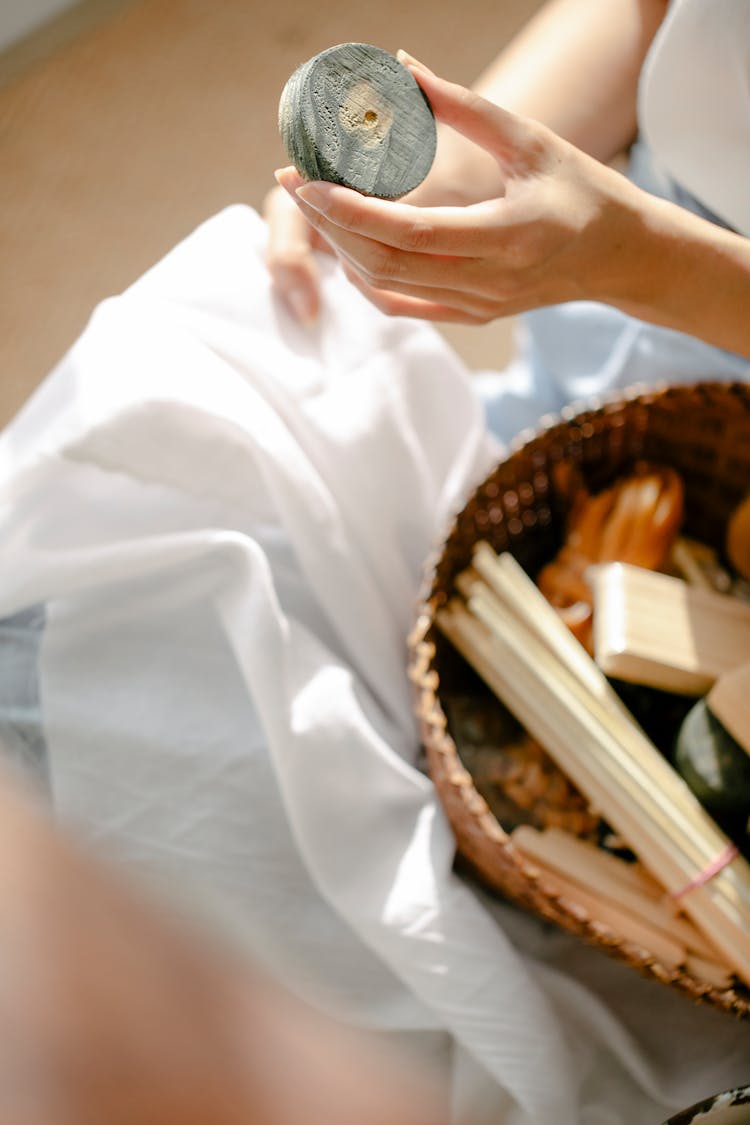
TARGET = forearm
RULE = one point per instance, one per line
(680, 271)
(574, 67)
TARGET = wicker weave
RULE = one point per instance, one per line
(703, 431)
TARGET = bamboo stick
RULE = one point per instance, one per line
(641, 762)
(521, 597)
(688, 566)
(474, 640)
(709, 971)
(543, 701)
(597, 873)
(667, 947)
(632, 875)
(512, 585)
(624, 924)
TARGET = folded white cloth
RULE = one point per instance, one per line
(226, 516)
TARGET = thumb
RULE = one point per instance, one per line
(511, 139)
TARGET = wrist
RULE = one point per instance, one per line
(630, 269)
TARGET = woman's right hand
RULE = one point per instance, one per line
(461, 174)
(290, 256)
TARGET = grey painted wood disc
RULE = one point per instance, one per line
(354, 115)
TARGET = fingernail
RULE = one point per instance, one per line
(283, 176)
(408, 60)
(315, 196)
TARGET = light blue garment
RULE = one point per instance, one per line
(570, 353)
(21, 731)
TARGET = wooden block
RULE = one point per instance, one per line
(650, 628)
(353, 115)
(729, 701)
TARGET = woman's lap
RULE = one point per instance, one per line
(185, 440)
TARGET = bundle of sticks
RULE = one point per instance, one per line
(693, 909)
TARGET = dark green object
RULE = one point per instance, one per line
(715, 767)
(354, 115)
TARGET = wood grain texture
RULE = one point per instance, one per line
(353, 115)
(657, 630)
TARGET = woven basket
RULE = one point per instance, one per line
(702, 431)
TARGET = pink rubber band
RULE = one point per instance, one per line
(723, 859)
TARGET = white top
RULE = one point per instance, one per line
(695, 103)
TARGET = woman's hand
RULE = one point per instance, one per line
(292, 240)
(564, 228)
(290, 257)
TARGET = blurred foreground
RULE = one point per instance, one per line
(111, 1012)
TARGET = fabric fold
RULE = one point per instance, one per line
(226, 518)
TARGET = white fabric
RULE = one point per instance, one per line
(694, 103)
(227, 516)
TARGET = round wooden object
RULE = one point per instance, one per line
(353, 115)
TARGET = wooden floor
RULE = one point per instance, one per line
(123, 125)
